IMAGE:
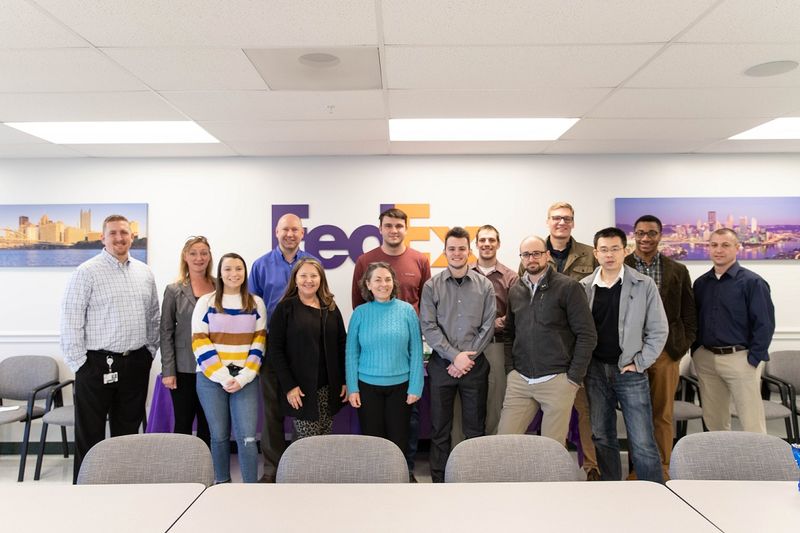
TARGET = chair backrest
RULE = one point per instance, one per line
(20, 374)
(733, 455)
(686, 366)
(342, 459)
(497, 458)
(785, 364)
(147, 458)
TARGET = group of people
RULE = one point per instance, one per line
(577, 326)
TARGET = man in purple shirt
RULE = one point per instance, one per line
(269, 277)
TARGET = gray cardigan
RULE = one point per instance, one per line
(643, 326)
(176, 329)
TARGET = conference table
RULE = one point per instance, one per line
(51, 507)
(743, 506)
(464, 507)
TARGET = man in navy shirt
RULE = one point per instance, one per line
(736, 320)
(268, 279)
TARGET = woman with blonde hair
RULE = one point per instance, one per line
(307, 350)
(178, 364)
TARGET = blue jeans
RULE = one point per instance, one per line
(221, 409)
(605, 387)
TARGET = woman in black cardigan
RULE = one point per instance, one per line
(307, 349)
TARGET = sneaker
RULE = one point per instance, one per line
(411, 478)
(593, 475)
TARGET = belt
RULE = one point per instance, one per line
(119, 354)
(725, 350)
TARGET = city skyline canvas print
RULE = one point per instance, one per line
(767, 227)
(63, 235)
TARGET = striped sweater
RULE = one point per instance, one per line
(235, 337)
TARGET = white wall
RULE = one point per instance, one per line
(229, 200)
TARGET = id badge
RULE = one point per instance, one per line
(110, 377)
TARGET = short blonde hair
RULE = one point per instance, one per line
(560, 205)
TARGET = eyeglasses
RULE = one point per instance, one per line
(531, 255)
(198, 238)
(642, 234)
(613, 250)
(566, 220)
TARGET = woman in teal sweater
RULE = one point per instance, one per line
(384, 357)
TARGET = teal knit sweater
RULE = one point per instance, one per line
(384, 346)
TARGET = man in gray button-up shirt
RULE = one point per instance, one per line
(457, 313)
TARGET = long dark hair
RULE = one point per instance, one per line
(248, 302)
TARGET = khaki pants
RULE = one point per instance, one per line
(722, 377)
(495, 354)
(554, 397)
(585, 431)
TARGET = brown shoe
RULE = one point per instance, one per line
(593, 475)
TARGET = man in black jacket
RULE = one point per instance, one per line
(550, 336)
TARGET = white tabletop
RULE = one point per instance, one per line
(745, 506)
(463, 507)
(48, 507)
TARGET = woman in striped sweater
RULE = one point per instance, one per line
(384, 358)
(228, 340)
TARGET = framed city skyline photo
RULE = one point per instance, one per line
(768, 227)
(63, 235)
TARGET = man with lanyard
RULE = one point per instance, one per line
(269, 277)
(109, 335)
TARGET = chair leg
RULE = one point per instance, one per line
(144, 422)
(40, 455)
(64, 440)
(23, 456)
(789, 428)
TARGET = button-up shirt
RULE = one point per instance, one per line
(108, 305)
(457, 317)
(269, 276)
(502, 279)
(735, 309)
(654, 269)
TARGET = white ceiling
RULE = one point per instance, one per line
(644, 76)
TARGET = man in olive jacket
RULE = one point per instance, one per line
(550, 337)
(675, 287)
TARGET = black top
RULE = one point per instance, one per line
(605, 311)
(559, 256)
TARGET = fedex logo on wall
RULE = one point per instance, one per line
(333, 245)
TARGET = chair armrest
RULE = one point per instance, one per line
(55, 393)
(784, 387)
(34, 392)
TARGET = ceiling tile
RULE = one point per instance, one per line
(154, 150)
(59, 107)
(283, 69)
(716, 65)
(179, 69)
(467, 22)
(748, 21)
(62, 70)
(623, 147)
(473, 147)
(23, 25)
(541, 102)
(22, 151)
(767, 146)
(13, 135)
(281, 105)
(699, 103)
(248, 148)
(512, 67)
(299, 130)
(239, 23)
(674, 129)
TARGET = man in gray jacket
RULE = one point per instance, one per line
(632, 330)
(549, 340)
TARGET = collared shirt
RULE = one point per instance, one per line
(108, 305)
(735, 309)
(526, 279)
(269, 276)
(654, 269)
(598, 279)
(457, 317)
(502, 278)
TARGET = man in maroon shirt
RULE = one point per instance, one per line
(412, 269)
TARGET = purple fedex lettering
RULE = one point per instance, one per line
(322, 240)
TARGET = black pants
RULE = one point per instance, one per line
(186, 406)
(273, 440)
(472, 388)
(121, 402)
(385, 413)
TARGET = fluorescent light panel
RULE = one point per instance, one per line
(478, 129)
(143, 132)
(780, 128)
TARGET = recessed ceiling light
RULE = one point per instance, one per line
(780, 128)
(319, 60)
(772, 68)
(478, 129)
(131, 132)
